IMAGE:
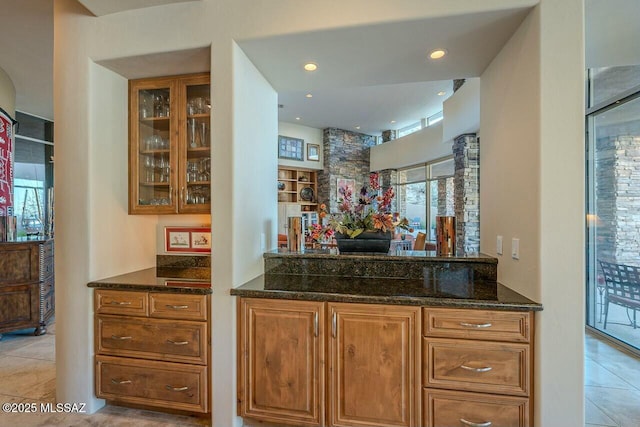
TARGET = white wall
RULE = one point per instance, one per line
(461, 111)
(7, 94)
(612, 33)
(310, 136)
(413, 149)
(532, 188)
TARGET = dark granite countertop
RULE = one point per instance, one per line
(393, 256)
(455, 291)
(180, 282)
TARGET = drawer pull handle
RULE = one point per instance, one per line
(469, 368)
(178, 342)
(115, 337)
(476, 325)
(120, 302)
(472, 424)
(177, 307)
(168, 387)
(114, 381)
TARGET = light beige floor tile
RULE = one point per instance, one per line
(15, 340)
(619, 405)
(597, 375)
(594, 415)
(29, 378)
(42, 347)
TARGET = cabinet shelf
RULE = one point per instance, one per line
(199, 116)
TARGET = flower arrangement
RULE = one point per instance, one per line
(371, 212)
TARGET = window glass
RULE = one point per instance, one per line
(29, 186)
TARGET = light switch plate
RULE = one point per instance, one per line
(515, 248)
(499, 245)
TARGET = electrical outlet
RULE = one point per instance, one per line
(499, 245)
(515, 248)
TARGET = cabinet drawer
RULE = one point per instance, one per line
(178, 306)
(169, 385)
(501, 368)
(477, 324)
(131, 303)
(452, 408)
(168, 340)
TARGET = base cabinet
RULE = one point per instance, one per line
(374, 365)
(153, 349)
(282, 366)
(371, 364)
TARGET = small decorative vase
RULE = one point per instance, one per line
(367, 241)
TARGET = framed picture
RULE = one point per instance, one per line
(313, 152)
(344, 185)
(187, 239)
(290, 148)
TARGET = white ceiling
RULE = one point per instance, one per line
(367, 75)
(106, 7)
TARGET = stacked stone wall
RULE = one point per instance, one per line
(346, 155)
(466, 154)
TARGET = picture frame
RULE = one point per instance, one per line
(346, 184)
(195, 240)
(290, 148)
(313, 152)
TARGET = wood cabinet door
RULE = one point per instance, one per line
(194, 144)
(281, 353)
(153, 140)
(374, 365)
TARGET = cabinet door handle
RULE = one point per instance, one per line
(182, 196)
(479, 370)
(334, 325)
(170, 195)
(476, 325)
(472, 424)
(168, 387)
(122, 338)
(120, 302)
(315, 325)
(177, 307)
(178, 342)
(114, 381)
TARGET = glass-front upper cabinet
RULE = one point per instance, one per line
(169, 145)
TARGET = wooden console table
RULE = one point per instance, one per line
(27, 291)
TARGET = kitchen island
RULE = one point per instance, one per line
(406, 339)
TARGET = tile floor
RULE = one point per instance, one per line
(612, 385)
(27, 375)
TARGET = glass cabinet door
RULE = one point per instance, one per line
(152, 146)
(195, 147)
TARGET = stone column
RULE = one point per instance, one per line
(466, 153)
(346, 155)
(389, 177)
(388, 135)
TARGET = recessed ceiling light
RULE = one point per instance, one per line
(442, 93)
(358, 127)
(310, 66)
(393, 121)
(437, 53)
(309, 95)
(297, 118)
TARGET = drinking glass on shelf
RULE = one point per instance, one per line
(203, 134)
(192, 132)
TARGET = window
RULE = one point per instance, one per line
(432, 120)
(414, 127)
(33, 173)
(424, 192)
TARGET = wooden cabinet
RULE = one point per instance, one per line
(373, 377)
(27, 290)
(372, 363)
(153, 349)
(298, 186)
(281, 366)
(476, 367)
(170, 145)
